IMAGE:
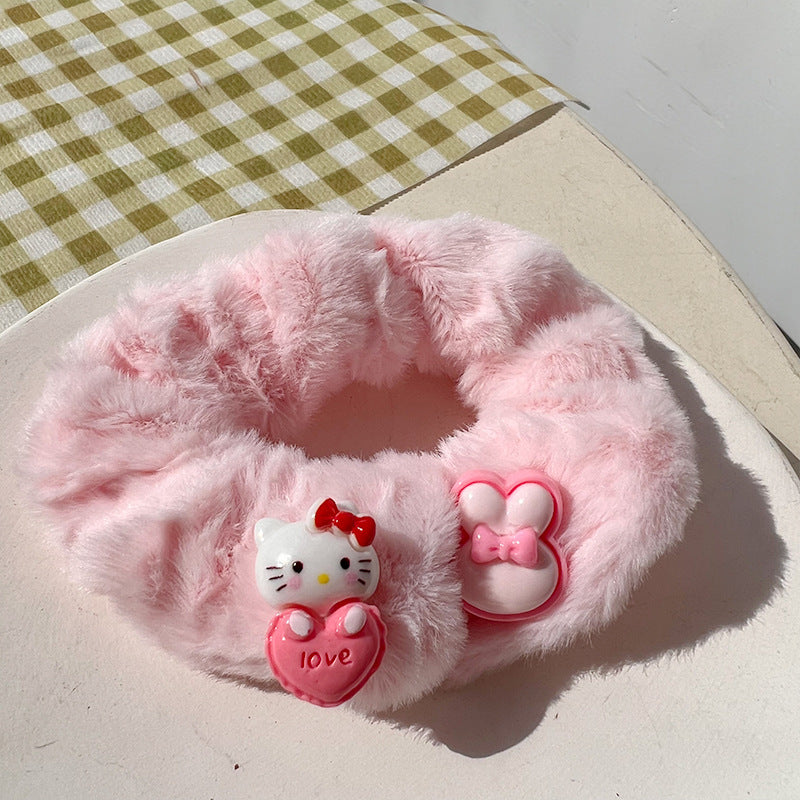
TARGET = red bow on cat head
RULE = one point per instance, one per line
(328, 516)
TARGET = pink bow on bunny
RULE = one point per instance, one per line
(521, 547)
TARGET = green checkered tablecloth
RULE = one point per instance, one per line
(126, 123)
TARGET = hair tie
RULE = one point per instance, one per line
(157, 455)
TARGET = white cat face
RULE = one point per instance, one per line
(298, 565)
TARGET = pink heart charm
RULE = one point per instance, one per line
(511, 567)
(324, 663)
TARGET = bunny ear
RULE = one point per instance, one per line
(265, 528)
(527, 499)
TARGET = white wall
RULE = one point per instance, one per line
(702, 95)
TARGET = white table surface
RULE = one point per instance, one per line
(693, 692)
(562, 181)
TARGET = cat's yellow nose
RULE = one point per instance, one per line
(323, 578)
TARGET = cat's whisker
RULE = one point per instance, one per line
(368, 571)
(282, 586)
(364, 560)
(275, 567)
(277, 577)
(362, 582)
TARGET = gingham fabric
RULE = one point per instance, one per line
(126, 123)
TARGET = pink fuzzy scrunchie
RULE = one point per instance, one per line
(156, 446)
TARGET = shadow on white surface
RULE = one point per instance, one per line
(728, 566)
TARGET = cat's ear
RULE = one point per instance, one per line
(265, 527)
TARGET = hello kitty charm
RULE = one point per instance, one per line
(511, 565)
(325, 643)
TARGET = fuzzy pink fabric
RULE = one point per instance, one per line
(157, 443)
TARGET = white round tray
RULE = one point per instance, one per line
(693, 692)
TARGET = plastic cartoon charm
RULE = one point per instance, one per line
(325, 643)
(511, 567)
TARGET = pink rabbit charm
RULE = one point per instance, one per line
(511, 566)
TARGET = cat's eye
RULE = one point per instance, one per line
(297, 566)
(345, 563)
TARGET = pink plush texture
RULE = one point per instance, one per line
(157, 443)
